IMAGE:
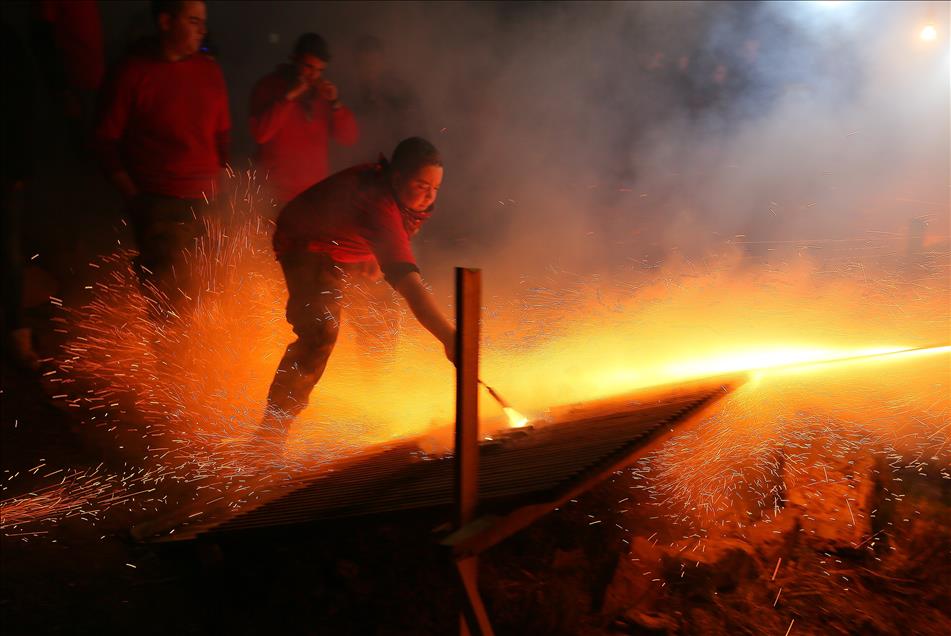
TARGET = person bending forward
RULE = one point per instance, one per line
(350, 221)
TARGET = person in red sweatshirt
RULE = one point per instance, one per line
(162, 137)
(358, 217)
(295, 111)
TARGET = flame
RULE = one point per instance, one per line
(772, 358)
(516, 419)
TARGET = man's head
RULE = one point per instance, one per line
(181, 25)
(416, 173)
(311, 55)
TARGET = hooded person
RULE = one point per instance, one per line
(360, 219)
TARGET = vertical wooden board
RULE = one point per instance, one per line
(466, 486)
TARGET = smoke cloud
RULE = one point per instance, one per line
(591, 136)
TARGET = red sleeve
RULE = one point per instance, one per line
(383, 230)
(113, 118)
(343, 126)
(269, 109)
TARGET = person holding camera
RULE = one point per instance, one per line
(295, 112)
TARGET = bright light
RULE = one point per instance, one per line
(829, 3)
(929, 33)
(516, 419)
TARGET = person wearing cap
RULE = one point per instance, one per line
(295, 112)
(358, 217)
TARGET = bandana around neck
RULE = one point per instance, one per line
(412, 219)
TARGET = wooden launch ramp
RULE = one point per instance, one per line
(523, 473)
(491, 486)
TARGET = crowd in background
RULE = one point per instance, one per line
(96, 153)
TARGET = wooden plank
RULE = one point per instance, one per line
(526, 470)
(466, 478)
(487, 531)
(474, 619)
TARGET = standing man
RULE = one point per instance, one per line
(295, 112)
(162, 137)
(362, 215)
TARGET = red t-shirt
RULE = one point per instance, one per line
(167, 124)
(351, 216)
(293, 136)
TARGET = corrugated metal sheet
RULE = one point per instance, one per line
(520, 468)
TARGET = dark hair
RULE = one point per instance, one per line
(312, 44)
(412, 154)
(171, 7)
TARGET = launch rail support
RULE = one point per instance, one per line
(474, 620)
(472, 494)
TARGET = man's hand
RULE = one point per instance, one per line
(424, 308)
(327, 90)
(370, 270)
(125, 185)
(300, 87)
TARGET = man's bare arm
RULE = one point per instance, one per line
(423, 306)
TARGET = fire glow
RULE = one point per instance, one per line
(928, 33)
(180, 400)
(516, 419)
(203, 378)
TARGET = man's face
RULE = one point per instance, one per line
(183, 32)
(310, 68)
(418, 191)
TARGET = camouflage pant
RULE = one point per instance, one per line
(314, 284)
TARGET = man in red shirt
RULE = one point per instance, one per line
(162, 137)
(361, 216)
(295, 112)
